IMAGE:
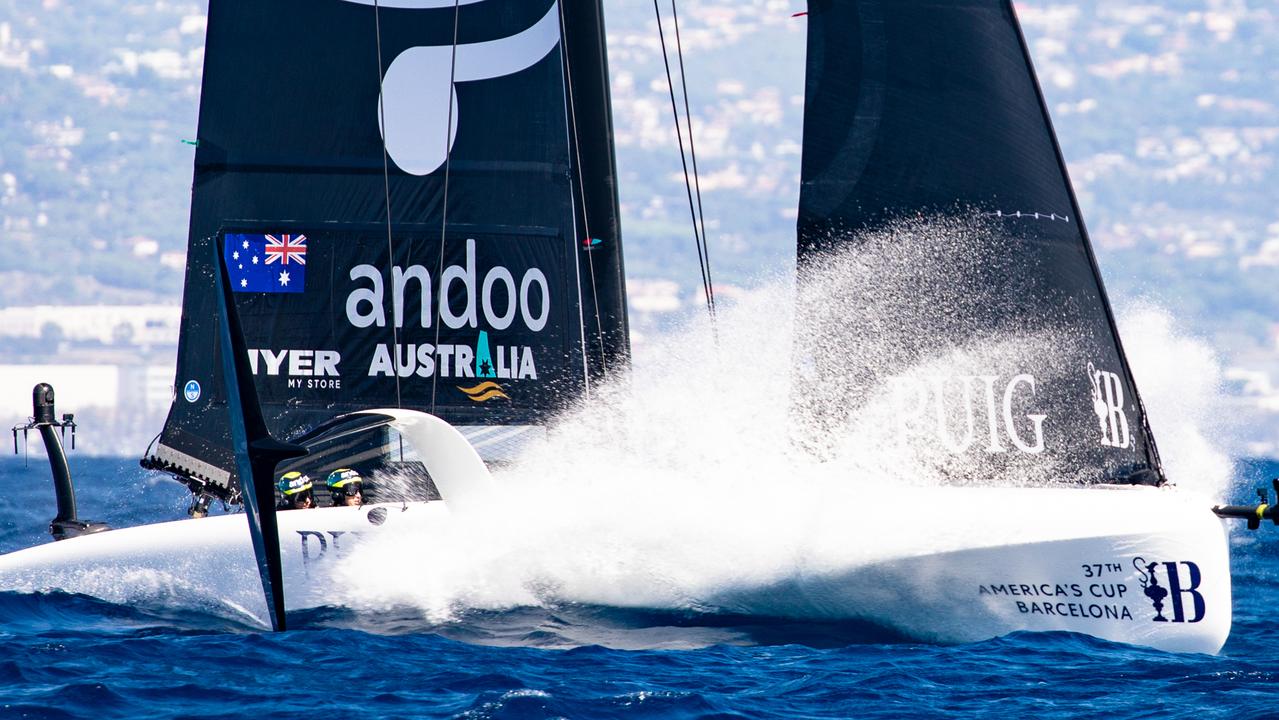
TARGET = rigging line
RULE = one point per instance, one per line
(577, 258)
(692, 152)
(386, 188)
(444, 212)
(581, 182)
(688, 186)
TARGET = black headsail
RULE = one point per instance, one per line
(462, 281)
(928, 147)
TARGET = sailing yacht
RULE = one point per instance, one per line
(405, 258)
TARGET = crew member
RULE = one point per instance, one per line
(296, 491)
(346, 487)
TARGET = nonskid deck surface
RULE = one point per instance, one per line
(1137, 565)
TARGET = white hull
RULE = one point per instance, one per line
(1009, 562)
(974, 563)
(208, 561)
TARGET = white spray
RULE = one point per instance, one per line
(688, 479)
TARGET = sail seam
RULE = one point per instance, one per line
(513, 166)
(386, 187)
(444, 208)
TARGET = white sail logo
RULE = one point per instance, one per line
(467, 296)
(418, 113)
(932, 404)
(414, 4)
(1108, 405)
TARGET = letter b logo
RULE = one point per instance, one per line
(1108, 405)
(1178, 592)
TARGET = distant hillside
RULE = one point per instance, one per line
(1166, 112)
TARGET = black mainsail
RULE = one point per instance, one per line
(419, 209)
(930, 109)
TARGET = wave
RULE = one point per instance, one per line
(56, 612)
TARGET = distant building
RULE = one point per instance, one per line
(137, 325)
(119, 407)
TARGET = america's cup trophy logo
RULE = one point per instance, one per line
(1151, 587)
(418, 112)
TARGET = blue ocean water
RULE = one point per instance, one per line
(67, 656)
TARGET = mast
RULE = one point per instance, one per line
(473, 310)
(928, 146)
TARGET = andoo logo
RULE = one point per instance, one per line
(492, 295)
(1108, 405)
(419, 101)
(1180, 586)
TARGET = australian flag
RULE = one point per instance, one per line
(266, 263)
